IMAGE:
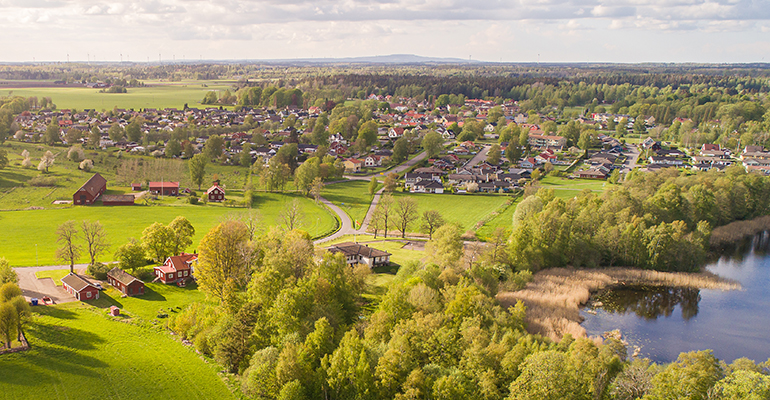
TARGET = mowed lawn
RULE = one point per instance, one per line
(157, 298)
(351, 196)
(155, 95)
(34, 231)
(79, 352)
(465, 210)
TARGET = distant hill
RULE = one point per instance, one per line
(386, 59)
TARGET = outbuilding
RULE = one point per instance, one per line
(126, 283)
(90, 191)
(79, 287)
(164, 188)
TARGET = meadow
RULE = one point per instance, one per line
(352, 196)
(34, 231)
(78, 351)
(155, 95)
(465, 210)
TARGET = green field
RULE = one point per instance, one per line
(503, 219)
(351, 196)
(34, 231)
(157, 297)
(54, 274)
(154, 95)
(465, 210)
(80, 352)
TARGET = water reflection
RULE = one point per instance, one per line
(649, 302)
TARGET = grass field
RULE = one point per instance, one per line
(54, 274)
(503, 219)
(351, 196)
(80, 352)
(154, 95)
(34, 231)
(157, 297)
(466, 210)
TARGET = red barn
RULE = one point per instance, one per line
(216, 193)
(79, 287)
(125, 282)
(164, 188)
(90, 190)
(176, 268)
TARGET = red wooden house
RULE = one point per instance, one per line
(164, 188)
(216, 193)
(176, 268)
(79, 287)
(90, 190)
(125, 282)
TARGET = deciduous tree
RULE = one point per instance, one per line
(432, 143)
(431, 220)
(67, 236)
(182, 233)
(96, 239)
(224, 262)
(158, 241)
(198, 169)
(446, 247)
(405, 214)
(131, 255)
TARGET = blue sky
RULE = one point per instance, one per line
(488, 30)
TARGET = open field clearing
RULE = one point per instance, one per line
(80, 352)
(34, 231)
(156, 95)
(465, 210)
(352, 197)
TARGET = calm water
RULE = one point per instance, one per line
(664, 322)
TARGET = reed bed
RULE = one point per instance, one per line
(554, 297)
(738, 230)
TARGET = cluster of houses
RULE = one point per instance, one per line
(93, 190)
(709, 156)
(484, 178)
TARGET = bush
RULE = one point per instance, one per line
(98, 271)
(193, 200)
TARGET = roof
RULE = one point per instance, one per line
(354, 249)
(181, 261)
(76, 282)
(213, 188)
(164, 184)
(122, 276)
(93, 185)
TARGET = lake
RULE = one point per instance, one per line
(665, 321)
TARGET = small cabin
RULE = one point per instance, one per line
(79, 287)
(216, 194)
(126, 283)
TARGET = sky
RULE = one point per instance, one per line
(629, 31)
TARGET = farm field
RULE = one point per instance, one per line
(35, 243)
(351, 196)
(80, 352)
(465, 210)
(155, 95)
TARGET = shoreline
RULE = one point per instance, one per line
(554, 297)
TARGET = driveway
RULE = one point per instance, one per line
(38, 288)
(479, 157)
(633, 157)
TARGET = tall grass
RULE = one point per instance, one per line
(553, 297)
(738, 230)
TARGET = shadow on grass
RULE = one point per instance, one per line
(260, 201)
(54, 312)
(391, 269)
(151, 295)
(105, 301)
(64, 336)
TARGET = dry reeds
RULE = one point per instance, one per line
(554, 296)
(735, 231)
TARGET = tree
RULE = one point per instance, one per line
(72, 136)
(306, 174)
(368, 133)
(390, 182)
(95, 137)
(405, 214)
(182, 234)
(690, 377)
(432, 143)
(188, 150)
(46, 161)
(198, 169)
(431, 220)
(214, 146)
(116, 132)
(223, 261)
(52, 132)
(245, 159)
(76, 154)
(639, 126)
(96, 239)
(134, 131)
(3, 159)
(7, 322)
(400, 151)
(277, 174)
(131, 255)
(7, 273)
(158, 241)
(67, 235)
(446, 247)
(316, 188)
(23, 314)
(493, 156)
(586, 139)
(210, 98)
(383, 212)
(173, 148)
(292, 215)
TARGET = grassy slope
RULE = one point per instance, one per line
(157, 296)
(121, 223)
(351, 196)
(80, 352)
(465, 210)
(166, 95)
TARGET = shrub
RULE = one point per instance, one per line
(86, 165)
(193, 200)
(98, 271)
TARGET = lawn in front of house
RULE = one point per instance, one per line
(54, 274)
(78, 351)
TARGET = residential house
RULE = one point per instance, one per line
(176, 268)
(90, 191)
(352, 165)
(547, 141)
(125, 282)
(361, 254)
(216, 194)
(372, 161)
(79, 287)
(427, 186)
(666, 160)
(164, 188)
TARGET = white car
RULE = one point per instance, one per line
(98, 285)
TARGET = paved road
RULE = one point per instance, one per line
(346, 225)
(33, 287)
(478, 158)
(633, 157)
